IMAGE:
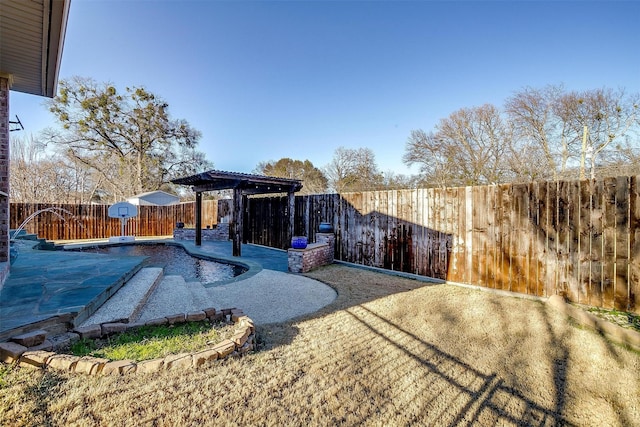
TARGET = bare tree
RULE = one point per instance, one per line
(467, 148)
(435, 158)
(548, 134)
(38, 176)
(531, 112)
(27, 181)
(582, 127)
(396, 181)
(600, 117)
(527, 161)
(313, 180)
(353, 170)
(624, 159)
(128, 138)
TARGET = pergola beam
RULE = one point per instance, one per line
(251, 184)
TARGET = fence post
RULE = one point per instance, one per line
(238, 216)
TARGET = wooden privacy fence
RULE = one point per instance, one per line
(71, 222)
(580, 239)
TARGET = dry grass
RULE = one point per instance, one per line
(388, 351)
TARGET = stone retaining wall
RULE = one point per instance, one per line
(4, 273)
(33, 349)
(314, 255)
(218, 232)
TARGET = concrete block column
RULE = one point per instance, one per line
(329, 239)
(314, 255)
(4, 168)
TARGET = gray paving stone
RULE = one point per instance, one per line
(77, 280)
(30, 339)
(10, 352)
(45, 284)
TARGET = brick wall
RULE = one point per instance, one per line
(219, 232)
(314, 255)
(4, 169)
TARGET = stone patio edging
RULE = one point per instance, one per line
(241, 342)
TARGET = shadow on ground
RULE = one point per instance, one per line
(387, 351)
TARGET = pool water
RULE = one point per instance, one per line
(175, 261)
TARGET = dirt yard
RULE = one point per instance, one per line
(387, 352)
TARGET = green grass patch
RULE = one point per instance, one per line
(625, 319)
(150, 342)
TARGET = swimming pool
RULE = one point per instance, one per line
(175, 261)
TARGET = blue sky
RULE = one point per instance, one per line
(266, 80)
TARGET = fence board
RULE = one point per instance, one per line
(582, 202)
(518, 240)
(609, 242)
(538, 236)
(505, 237)
(573, 240)
(564, 239)
(474, 234)
(456, 265)
(633, 304)
(522, 239)
(373, 231)
(621, 250)
(589, 235)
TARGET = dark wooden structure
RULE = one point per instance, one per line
(243, 185)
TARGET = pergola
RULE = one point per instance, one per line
(243, 185)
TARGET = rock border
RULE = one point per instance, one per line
(34, 350)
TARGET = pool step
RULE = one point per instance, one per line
(130, 299)
(199, 295)
(173, 296)
(23, 235)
